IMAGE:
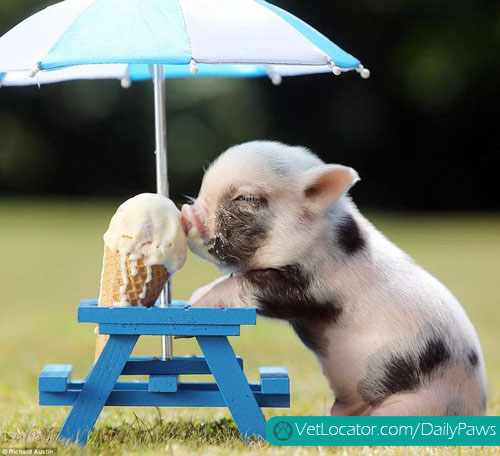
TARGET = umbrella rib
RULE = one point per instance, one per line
(186, 27)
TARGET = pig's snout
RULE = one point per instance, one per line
(186, 218)
(194, 216)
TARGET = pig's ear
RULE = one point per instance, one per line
(325, 184)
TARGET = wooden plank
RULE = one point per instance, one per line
(172, 330)
(274, 380)
(273, 372)
(162, 383)
(97, 388)
(179, 313)
(55, 377)
(233, 386)
(180, 365)
(136, 394)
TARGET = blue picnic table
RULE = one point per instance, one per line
(210, 326)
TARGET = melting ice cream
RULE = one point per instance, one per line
(145, 237)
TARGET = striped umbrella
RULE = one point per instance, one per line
(141, 39)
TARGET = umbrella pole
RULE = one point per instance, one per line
(162, 186)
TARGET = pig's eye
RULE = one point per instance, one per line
(247, 198)
(251, 198)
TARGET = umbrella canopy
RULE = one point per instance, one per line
(210, 37)
(142, 39)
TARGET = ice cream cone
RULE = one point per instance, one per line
(100, 342)
(144, 244)
(144, 285)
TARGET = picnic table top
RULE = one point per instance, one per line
(178, 313)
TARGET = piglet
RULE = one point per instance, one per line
(391, 339)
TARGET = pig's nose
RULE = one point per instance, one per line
(194, 215)
(186, 218)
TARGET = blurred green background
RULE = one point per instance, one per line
(422, 132)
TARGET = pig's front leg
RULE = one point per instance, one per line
(224, 292)
(202, 291)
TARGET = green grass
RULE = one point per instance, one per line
(51, 258)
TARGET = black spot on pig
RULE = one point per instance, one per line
(399, 373)
(456, 407)
(473, 358)
(395, 370)
(484, 401)
(349, 236)
(284, 293)
(435, 353)
(242, 226)
(312, 335)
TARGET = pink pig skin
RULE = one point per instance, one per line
(391, 339)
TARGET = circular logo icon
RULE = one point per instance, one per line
(282, 430)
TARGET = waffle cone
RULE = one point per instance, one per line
(100, 341)
(112, 281)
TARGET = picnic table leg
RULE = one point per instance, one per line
(97, 388)
(233, 385)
